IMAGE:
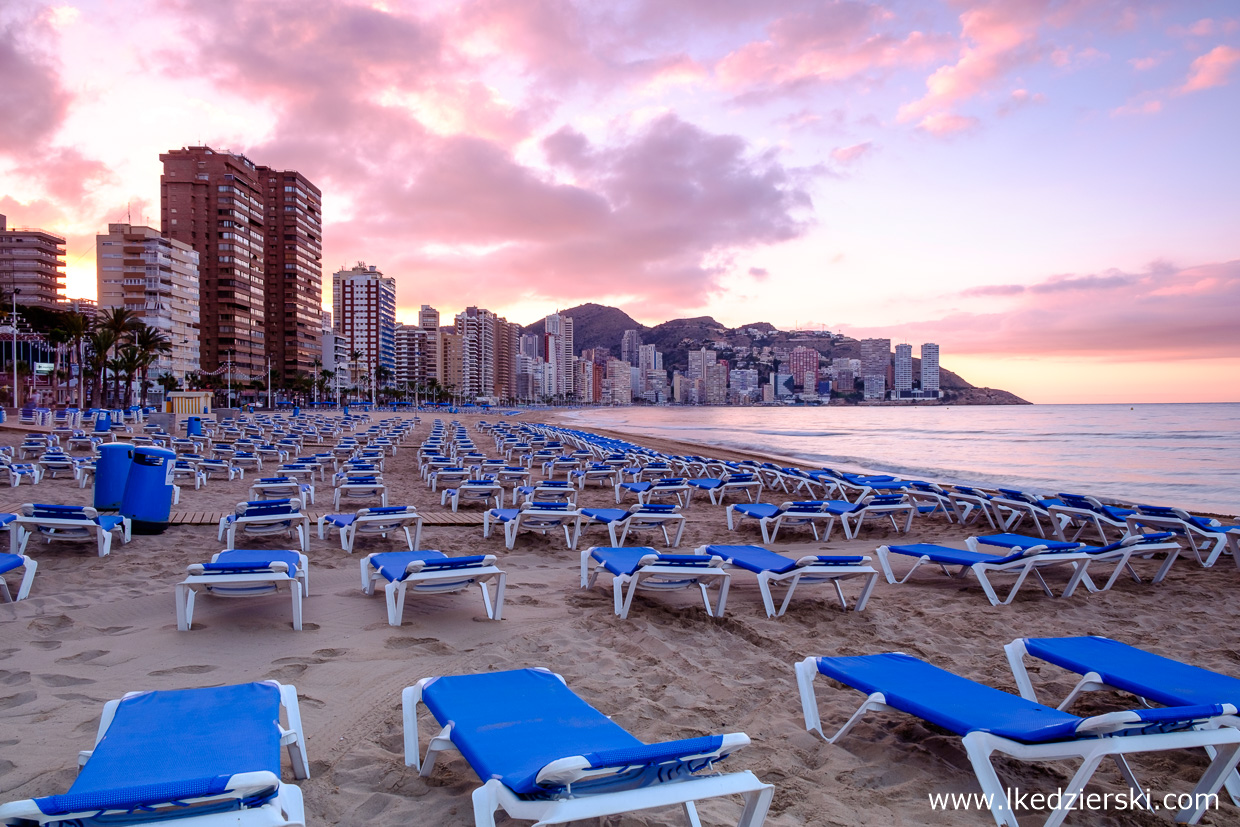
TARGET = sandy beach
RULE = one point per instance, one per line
(94, 628)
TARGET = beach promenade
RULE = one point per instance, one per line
(96, 627)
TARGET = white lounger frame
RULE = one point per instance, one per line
(493, 795)
(438, 582)
(248, 584)
(29, 566)
(650, 576)
(810, 571)
(979, 746)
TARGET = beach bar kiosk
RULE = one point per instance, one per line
(148, 491)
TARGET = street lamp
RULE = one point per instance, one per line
(16, 290)
(229, 367)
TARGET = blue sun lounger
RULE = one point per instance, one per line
(374, 522)
(1103, 663)
(187, 756)
(1207, 537)
(431, 572)
(244, 573)
(1121, 553)
(792, 572)
(771, 518)
(546, 755)
(14, 562)
(645, 568)
(991, 721)
(76, 523)
(636, 518)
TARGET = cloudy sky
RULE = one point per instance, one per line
(1047, 188)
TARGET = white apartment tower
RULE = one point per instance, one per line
(630, 345)
(930, 369)
(558, 347)
(156, 278)
(875, 357)
(903, 369)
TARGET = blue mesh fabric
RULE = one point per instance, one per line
(158, 740)
(127, 798)
(950, 701)
(605, 515)
(953, 556)
(1022, 542)
(509, 725)
(1134, 670)
(8, 562)
(757, 510)
(238, 561)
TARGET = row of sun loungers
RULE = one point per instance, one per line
(544, 754)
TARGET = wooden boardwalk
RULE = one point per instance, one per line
(437, 518)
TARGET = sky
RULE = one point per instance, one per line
(1046, 188)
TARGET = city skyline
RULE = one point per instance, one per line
(1044, 188)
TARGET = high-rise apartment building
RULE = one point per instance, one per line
(157, 279)
(215, 203)
(875, 358)
(558, 347)
(451, 367)
(744, 383)
(335, 359)
(530, 345)
(490, 350)
(903, 385)
(698, 360)
(32, 262)
(715, 379)
(630, 345)
(802, 360)
(368, 319)
(930, 369)
(617, 386)
(412, 356)
(428, 320)
(293, 283)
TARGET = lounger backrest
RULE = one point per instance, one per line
(264, 508)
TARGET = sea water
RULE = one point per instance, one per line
(1185, 455)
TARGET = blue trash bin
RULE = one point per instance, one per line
(111, 472)
(194, 426)
(148, 491)
(103, 422)
(296, 410)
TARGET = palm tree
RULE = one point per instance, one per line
(168, 382)
(76, 326)
(383, 375)
(120, 322)
(100, 341)
(151, 342)
(128, 361)
(56, 337)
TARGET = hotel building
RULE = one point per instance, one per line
(293, 284)
(157, 279)
(930, 369)
(903, 385)
(33, 262)
(368, 317)
(875, 359)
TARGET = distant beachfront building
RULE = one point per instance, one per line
(903, 385)
(930, 369)
(875, 358)
(33, 262)
(715, 381)
(428, 320)
(157, 279)
(368, 317)
(558, 351)
(802, 361)
(489, 346)
(630, 345)
(782, 383)
(529, 345)
(335, 356)
(745, 383)
(616, 386)
(698, 360)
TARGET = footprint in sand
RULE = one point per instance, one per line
(182, 670)
(428, 645)
(51, 623)
(17, 700)
(84, 657)
(115, 630)
(49, 645)
(330, 653)
(8, 653)
(6, 767)
(64, 680)
(14, 678)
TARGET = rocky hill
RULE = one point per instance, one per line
(596, 325)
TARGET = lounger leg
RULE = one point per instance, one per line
(978, 749)
(691, 814)
(185, 607)
(768, 603)
(501, 583)
(622, 597)
(23, 590)
(394, 593)
(870, 581)
(295, 588)
(486, 802)
(680, 530)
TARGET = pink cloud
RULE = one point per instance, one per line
(944, 123)
(1164, 313)
(1149, 107)
(829, 42)
(1211, 69)
(1144, 64)
(851, 154)
(32, 99)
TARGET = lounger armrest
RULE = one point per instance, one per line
(278, 566)
(827, 560)
(442, 563)
(686, 560)
(1164, 719)
(697, 753)
(242, 785)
